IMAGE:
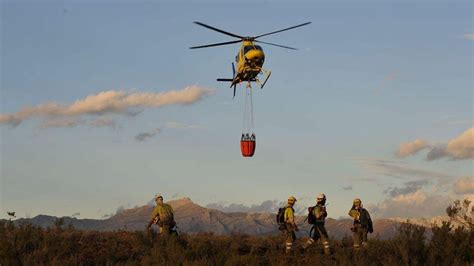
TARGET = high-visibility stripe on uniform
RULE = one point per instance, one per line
(326, 244)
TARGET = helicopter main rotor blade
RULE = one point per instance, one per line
(214, 44)
(282, 46)
(297, 26)
(218, 30)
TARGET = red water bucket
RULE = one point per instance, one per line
(247, 147)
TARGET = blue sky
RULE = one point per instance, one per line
(367, 77)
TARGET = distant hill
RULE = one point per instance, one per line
(193, 218)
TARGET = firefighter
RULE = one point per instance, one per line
(318, 217)
(290, 224)
(163, 216)
(362, 224)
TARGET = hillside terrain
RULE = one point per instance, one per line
(193, 218)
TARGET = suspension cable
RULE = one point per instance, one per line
(251, 111)
(245, 120)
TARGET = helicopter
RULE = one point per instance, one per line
(250, 57)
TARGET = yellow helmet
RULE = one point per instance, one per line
(357, 201)
(291, 199)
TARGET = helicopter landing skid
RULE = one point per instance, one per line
(267, 74)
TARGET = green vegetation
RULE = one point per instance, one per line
(63, 245)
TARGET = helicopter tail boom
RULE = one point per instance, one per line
(233, 84)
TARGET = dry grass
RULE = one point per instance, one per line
(31, 245)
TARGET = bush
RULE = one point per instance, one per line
(28, 244)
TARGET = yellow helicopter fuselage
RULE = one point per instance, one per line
(249, 61)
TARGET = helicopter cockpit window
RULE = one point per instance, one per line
(248, 48)
(258, 48)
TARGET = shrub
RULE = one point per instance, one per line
(28, 244)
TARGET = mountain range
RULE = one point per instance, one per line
(193, 218)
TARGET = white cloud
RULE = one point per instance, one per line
(416, 198)
(409, 148)
(112, 101)
(462, 147)
(416, 204)
(458, 148)
(464, 185)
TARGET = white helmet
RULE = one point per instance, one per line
(321, 197)
(158, 195)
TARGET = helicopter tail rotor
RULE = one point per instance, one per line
(232, 85)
